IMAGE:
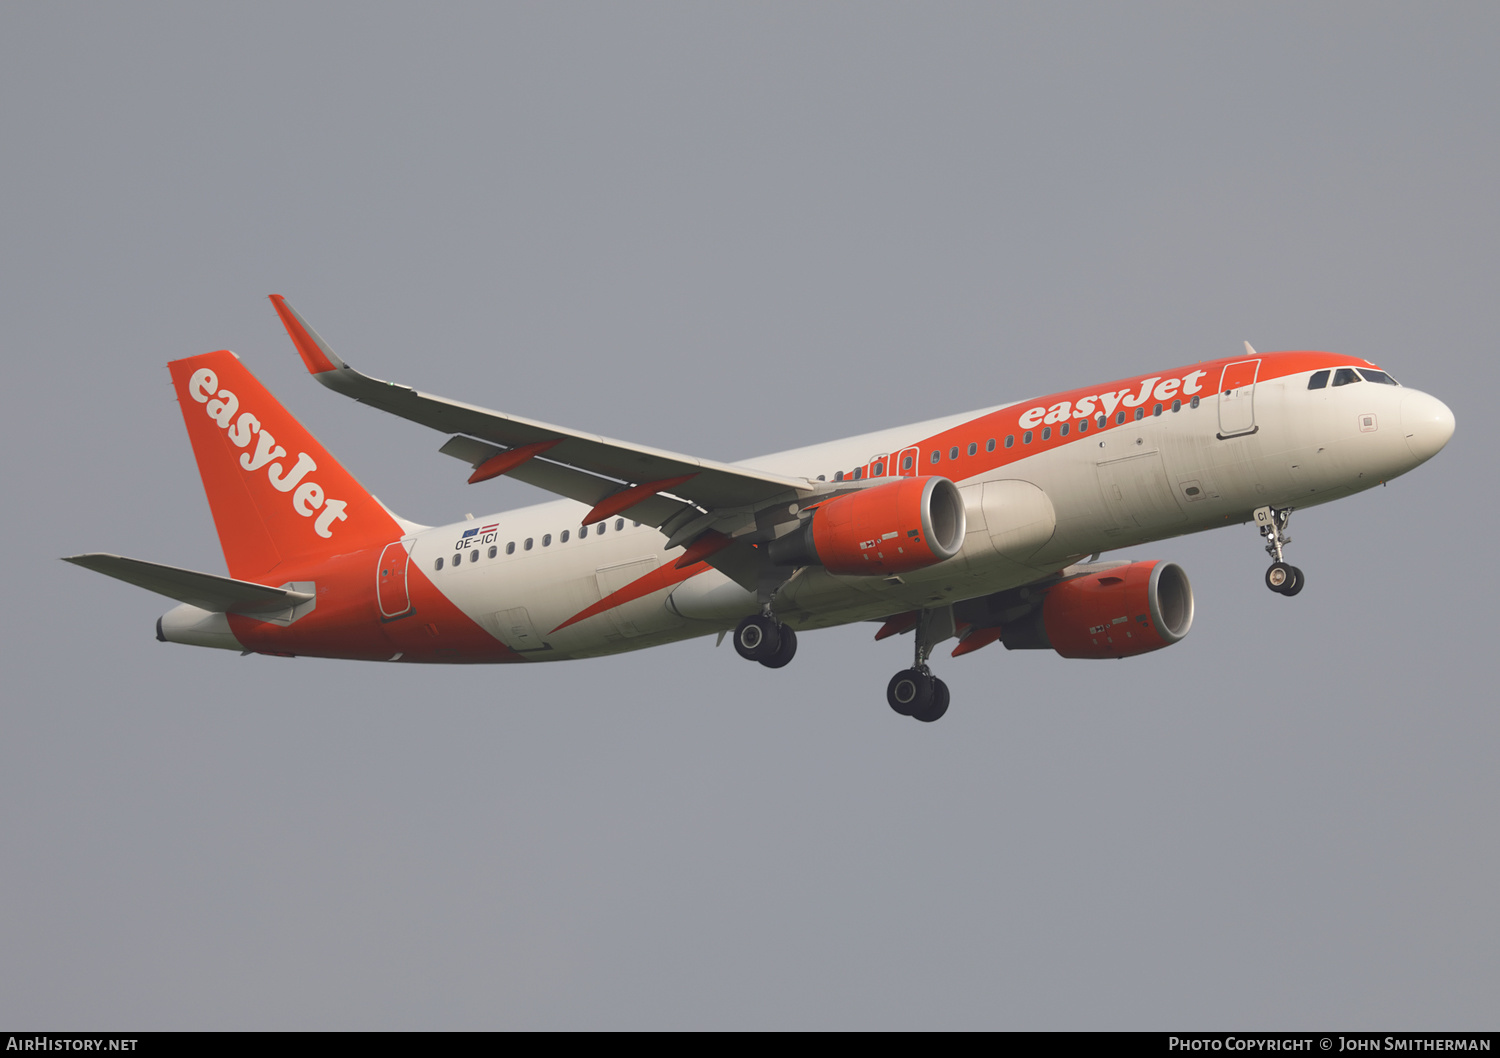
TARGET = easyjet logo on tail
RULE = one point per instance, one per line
(307, 496)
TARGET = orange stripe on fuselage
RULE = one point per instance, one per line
(1007, 421)
(659, 578)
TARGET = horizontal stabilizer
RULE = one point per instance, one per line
(204, 590)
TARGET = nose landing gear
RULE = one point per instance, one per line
(1281, 578)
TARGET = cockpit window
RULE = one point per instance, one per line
(1344, 376)
(1319, 379)
(1378, 376)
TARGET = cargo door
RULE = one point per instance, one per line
(513, 627)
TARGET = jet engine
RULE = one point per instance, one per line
(903, 525)
(1114, 613)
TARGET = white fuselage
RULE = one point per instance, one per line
(1163, 475)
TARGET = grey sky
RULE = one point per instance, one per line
(726, 230)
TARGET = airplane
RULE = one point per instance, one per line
(982, 527)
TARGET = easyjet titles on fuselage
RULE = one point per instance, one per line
(1106, 403)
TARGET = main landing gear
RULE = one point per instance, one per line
(762, 638)
(916, 692)
(1281, 578)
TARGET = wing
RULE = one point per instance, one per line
(613, 476)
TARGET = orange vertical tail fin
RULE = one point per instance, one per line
(278, 497)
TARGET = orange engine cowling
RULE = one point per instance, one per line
(903, 525)
(1115, 613)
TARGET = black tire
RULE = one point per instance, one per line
(939, 704)
(785, 652)
(1281, 576)
(1298, 583)
(757, 638)
(910, 690)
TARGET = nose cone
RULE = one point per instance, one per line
(1427, 424)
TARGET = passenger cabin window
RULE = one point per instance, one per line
(908, 462)
(583, 530)
(1344, 376)
(510, 548)
(527, 545)
(494, 551)
(1140, 413)
(989, 446)
(1194, 404)
(1062, 431)
(1046, 433)
(936, 455)
(973, 448)
(859, 472)
(1319, 380)
(546, 539)
(564, 538)
(1026, 438)
(838, 476)
(1156, 410)
(474, 555)
(1083, 426)
(1378, 376)
(1010, 440)
(1119, 417)
(953, 452)
(619, 524)
(1177, 405)
(877, 470)
(1103, 421)
(439, 563)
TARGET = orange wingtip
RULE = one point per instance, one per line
(307, 345)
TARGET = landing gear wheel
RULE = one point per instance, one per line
(910, 691)
(785, 652)
(757, 638)
(1282, 578)
(937, 707)
(1297, 582)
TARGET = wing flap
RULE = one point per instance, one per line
(204, 590)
